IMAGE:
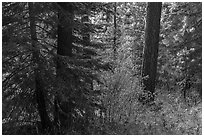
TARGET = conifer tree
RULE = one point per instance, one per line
(152, 29)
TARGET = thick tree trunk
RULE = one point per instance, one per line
(39, 89)
(64, 48)
(45, 121)
(65, 28)
(150, 54)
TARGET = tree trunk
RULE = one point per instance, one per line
(65, 27)
(150, 54)
(64, 48)
(39, 89)
(115, 37)
(187, 80)
(86, 40)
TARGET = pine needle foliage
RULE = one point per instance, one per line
(19, 98)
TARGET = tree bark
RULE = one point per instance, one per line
(39, 89)
(150, 52)
(65, 26)
(115, 37)
(62, 119)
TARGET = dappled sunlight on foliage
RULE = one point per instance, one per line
(102, 68)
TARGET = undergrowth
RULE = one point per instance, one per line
(168, 115)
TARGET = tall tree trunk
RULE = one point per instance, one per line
(187, 80)
(39, 89)
(150, 54)
(115, 33)
(64, 48)
(86, 40)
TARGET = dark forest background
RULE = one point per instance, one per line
(102, 68)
